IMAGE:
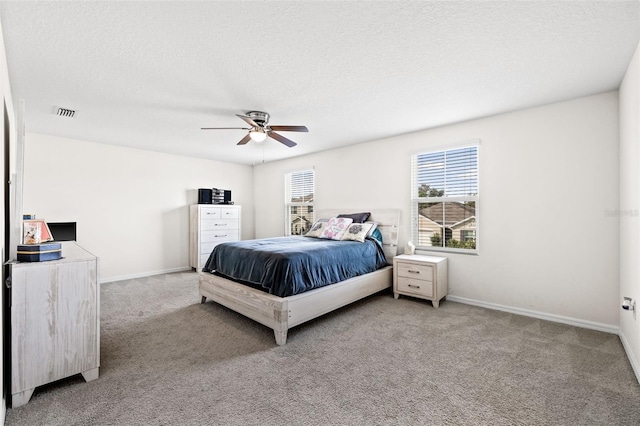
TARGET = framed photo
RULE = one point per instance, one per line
(35, 231)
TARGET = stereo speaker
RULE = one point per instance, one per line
(205, 196)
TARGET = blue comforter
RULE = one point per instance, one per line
(285, 266)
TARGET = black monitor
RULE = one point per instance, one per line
(62, 231)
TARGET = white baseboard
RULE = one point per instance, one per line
(632, 359)
(540, 315)
(144, 274)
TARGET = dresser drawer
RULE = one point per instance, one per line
(415, 271)
(229, 213)
(207, 248)
(216, 237)
(210, 225)
(419, 287)
(217, 224)
(210, 213)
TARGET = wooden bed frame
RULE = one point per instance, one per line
(283, 313)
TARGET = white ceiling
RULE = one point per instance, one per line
(150, 74)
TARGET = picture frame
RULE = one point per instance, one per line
(35, 231)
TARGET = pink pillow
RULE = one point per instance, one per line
(336, 228)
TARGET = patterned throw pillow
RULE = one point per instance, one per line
(317, 228)
(357, 232)
(336, 228)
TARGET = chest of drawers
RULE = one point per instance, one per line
(55, 320)
(210, 225)
(420, 276)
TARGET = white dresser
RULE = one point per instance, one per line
(55, 320)
(420, 276)
(210, 225)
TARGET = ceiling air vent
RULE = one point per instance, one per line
(65, 112)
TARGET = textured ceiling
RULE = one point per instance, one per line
(150, 74)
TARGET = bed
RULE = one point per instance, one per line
(283, 313)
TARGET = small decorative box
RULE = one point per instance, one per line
(39, 252)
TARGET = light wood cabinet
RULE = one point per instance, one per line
(55, 320)
(420, 276)
(210, 225)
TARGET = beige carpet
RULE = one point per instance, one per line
(168, 360)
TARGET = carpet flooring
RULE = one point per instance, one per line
(166, 359)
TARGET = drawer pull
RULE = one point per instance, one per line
(218, 236)
(413, 286)
(411, 271)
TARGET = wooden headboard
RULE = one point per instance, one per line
(388, 222)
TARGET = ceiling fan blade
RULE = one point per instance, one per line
(289, 128)
(245, 140)
(248, 120)
(282, 139)
(224, 128)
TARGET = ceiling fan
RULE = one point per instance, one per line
(260, 129)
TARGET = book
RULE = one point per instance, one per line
(32, 232)
(35, 232)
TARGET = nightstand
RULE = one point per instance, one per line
(420, 276)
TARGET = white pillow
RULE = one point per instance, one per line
(357, 231)
(317, 228)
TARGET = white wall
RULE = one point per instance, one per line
(548, 177)
(630, 208)
(130, 205)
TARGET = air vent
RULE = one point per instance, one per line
(65, 112)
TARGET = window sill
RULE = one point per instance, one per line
(448, 251)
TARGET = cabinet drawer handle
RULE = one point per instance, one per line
(413, 286)
(411, 271)
(217, 236)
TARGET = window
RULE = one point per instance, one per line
(467, 235)
(444, 198)
(299, 187)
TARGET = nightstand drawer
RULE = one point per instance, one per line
(415, 271)
(421, 287)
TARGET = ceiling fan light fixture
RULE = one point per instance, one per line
(258, 135)
(259, 129)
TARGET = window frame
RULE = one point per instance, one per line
(416, 201)
(289, 204)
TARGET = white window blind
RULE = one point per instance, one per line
(444, 194)
(299, 189)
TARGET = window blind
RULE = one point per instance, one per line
(301, 187)
(446, 173)
(444, 194)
